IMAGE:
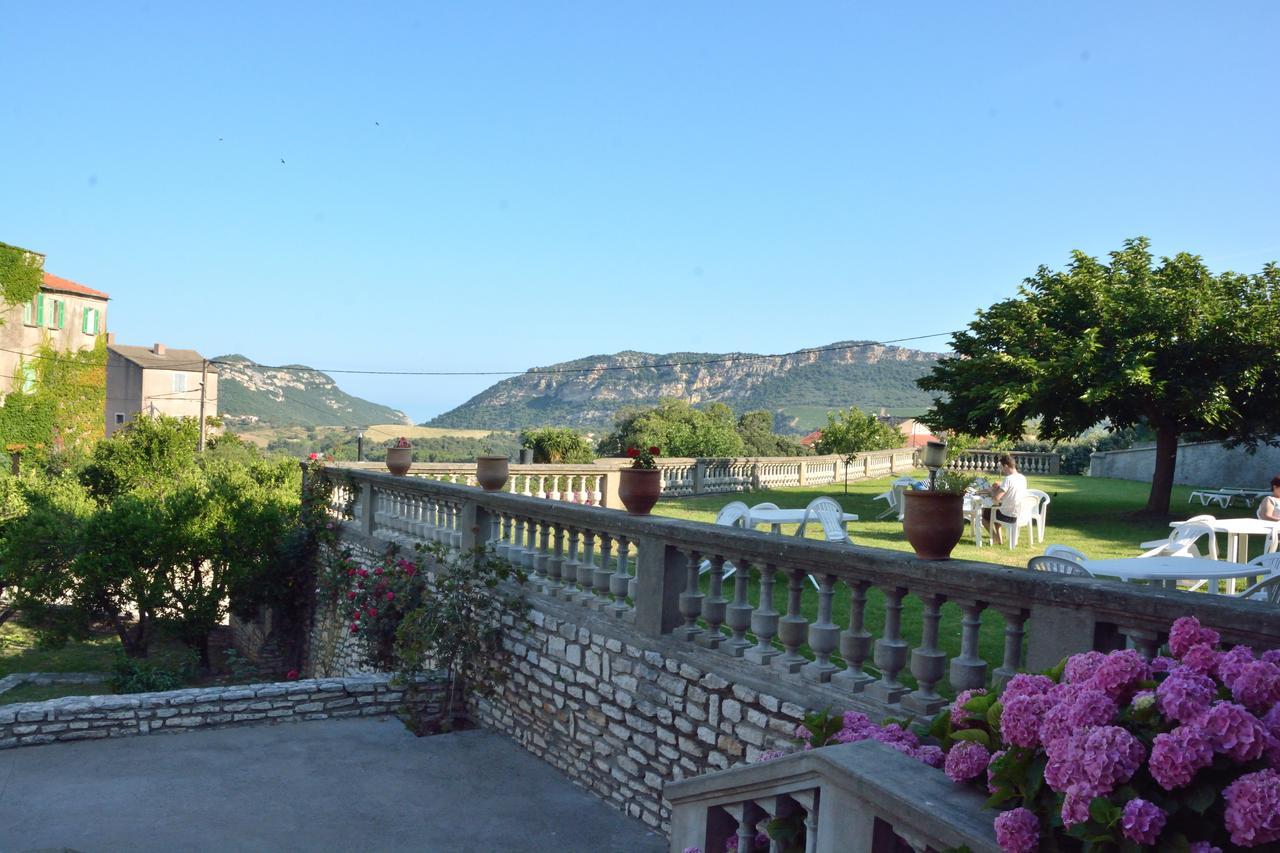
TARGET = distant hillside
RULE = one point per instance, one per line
(250, 394)
(864, 374)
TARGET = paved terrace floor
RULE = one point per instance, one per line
(363, 785)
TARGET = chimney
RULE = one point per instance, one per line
(111, 338)
(158, 349)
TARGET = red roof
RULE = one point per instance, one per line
(52, 282)
(812, 438)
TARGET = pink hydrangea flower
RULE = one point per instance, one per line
(1203, 847)
(1185, 695)
(1075, 805)
(959, 716)
(1020, 720)
(1026, 685)
(1109, 757)
(966, 760)
(1257, 685)
(1187, 632)
(1202, 659)
(931, 755)
(1086, 707)
(1018, 831)
(1233, 731)
(1142, 700)
(1232, 663)
(1253, 808)
(1178, 755)
(1142, 821)
(1160, 663)
(1272, 656)
(1119, 674)
(1080, 668)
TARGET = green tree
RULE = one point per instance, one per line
(856, 431)
(676, 429)
(558, 445)
(1172, 346)
(759, 439)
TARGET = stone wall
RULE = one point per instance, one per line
(620, 713)
(1205, 464)
(91, 717)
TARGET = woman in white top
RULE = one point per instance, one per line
(1269, 509)
(1007, 496)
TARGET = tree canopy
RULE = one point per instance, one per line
(856, 431)
(677, 429)
(1171, 345)
(557, 445)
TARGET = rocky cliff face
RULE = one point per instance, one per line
(588, 392)
(249, 393)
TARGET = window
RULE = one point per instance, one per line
(29, 313)
(57, 313)
(28, 374)
(179, 382)
(89, 323)
(119, 418)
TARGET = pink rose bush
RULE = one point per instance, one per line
(1112, 752)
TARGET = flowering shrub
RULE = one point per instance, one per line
(400, 443)
(643, 457)
(1111, 752)
(376, 602)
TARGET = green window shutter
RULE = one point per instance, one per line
(62, 313)
(40, 309)
(94, 331)
(27, 309)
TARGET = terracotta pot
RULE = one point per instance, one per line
(399, 459)
(639, 488)
(491, 472)
(933, 523)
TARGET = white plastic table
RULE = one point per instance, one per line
(775, 518)
(973, 507)
(1238, 531)
(1170, 570)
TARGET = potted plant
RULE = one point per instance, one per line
(491, 472)
(933, 519)
(399, 456)
(640, 485)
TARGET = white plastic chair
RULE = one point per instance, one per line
(1267, 588)
(1182, 540)
(1027, 509)
(1065, 552)
(1041, 518)
(894, 497)
(733, 514)
(1058, 565)
(751, 525)
(830, 515)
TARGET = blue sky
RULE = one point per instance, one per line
(494, 186)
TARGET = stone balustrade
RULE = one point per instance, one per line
(988, 461)
(855, 796)
(648, 571)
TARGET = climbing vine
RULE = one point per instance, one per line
(58, 401)
(20, 274)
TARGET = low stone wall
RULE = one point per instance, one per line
(45, 678)
(90, 717)
(1205, 464)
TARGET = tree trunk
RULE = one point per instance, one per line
(1162, 479)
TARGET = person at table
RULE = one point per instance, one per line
(1269, 509)
(1006, 496)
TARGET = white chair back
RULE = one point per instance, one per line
(1182, 541)
(1058, 565)
(732, 514)
(1267, 588)
(1065, 552)
(830, 515)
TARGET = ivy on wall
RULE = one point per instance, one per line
(20, 275)
(63, 408)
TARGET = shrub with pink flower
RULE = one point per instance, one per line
(1253, 808)
(1018, 831)
(966, 760)
(1142, 821)
(1187, 632)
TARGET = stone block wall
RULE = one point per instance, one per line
(92, 717)
(618, 712)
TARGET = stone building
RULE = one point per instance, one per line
(157, 380)
(65, 315)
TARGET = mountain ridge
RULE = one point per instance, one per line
(588, 392)
(291, 395)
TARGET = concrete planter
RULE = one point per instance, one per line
(492, 472)
(933, 523)
(399, 459)
(639, 488)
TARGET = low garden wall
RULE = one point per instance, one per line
(91, 717)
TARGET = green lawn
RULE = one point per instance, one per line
(41, 692)
(1093, 515)
(19, 652)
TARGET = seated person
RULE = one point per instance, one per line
(1269, 509)
(1007, 496)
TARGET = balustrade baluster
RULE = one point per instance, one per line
(602, 575)
(1145, 641)
(541, 551)
(764, 621)
(891, 650)
(969, 670)
(691, 598)
(542, 482)
(556, 561)
(855, 642)
(503, 546)
(554, 494)
(587, 568)
(620, 581)
(569, 567)
(528, 481)
(596, 496)
(516, 553)
(738, 615)
(713, 606)
(455, 540)
(823, 635)
(928, 662)
(1014, 619)
(792, 627)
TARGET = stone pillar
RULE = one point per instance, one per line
(609, 489)
(699, 474)
(660, 578)
(366, 508)
(1056, 632)
(803, 472)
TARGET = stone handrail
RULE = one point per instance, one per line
(854, 796)
(647, 570)
(988, 461)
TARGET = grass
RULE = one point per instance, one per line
(41, 692)
(1093, 515)
(20, 652)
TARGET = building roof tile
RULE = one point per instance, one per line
(64, 285)
(173, 359)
